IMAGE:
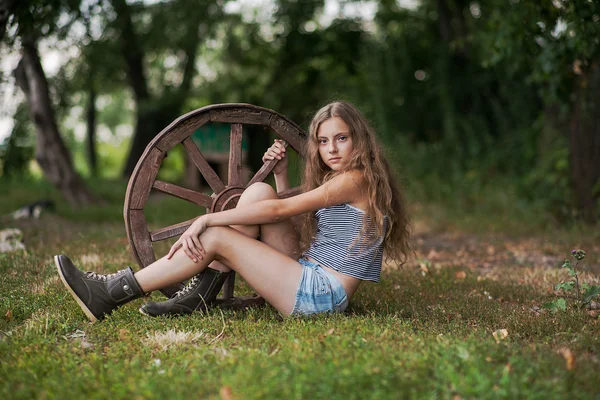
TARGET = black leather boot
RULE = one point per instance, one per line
(98, 295)
(200, 292)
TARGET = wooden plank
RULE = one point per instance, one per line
(234, 171)
(289, 132)
(290, 192)
(192, 196)
(207, 172)
(180, 130)
(242, 114)
(142, 179)
(170, 231)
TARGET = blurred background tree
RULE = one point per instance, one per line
(554, 47)
(32, 22)
(473, 99)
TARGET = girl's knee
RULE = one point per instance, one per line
(211, 238)
(256, 192)
(217, 239)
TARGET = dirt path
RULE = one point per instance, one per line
(484, 253)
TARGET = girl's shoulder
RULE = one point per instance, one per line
(357, 178)
(352, 176)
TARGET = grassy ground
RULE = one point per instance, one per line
(432, 329)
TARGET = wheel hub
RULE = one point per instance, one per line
(227, 198)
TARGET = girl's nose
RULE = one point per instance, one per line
(332, 147)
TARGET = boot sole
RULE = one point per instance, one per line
(141, 310)
(82, 305)
(167, 314)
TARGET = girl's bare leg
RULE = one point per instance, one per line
(281, 236)
(274, 275)
(270, 270)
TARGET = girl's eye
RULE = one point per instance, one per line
(342, 138)
(323, 141)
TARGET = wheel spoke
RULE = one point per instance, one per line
(170, 231)
(290, 192)
(265, 169)
(207, 172)
(183, 193)
(263, 172)
(234, 174)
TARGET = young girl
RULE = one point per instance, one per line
(353, 210)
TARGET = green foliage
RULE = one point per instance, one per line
(40, 18)
(556, 305)
(546, 38)
(591, 293)
(566, 286)
(550, 174)
(262, 63)
(581, 300)
(468, 97)
(17, 149)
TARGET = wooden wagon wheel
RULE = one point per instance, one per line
(225, 195)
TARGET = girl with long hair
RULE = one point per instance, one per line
(353, 211)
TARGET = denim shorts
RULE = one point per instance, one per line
(318, 291)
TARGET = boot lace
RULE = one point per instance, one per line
(188, 287)
(104, 277)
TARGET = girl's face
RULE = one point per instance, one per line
(335, 143)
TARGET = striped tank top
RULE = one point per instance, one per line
(335, 243)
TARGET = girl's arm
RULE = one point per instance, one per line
(279, 151)
(347, 187)
(282, 182)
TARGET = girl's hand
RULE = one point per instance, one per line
(189, 241)
(277, 151)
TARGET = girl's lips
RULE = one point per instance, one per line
(335, 159)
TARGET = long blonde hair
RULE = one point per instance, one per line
(367, 156)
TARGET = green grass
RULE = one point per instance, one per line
(413, 335)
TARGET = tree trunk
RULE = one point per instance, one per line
(153, 114)
(151, 118)
(584, 144)
(91, 130)
(51, 153)
(132, 51)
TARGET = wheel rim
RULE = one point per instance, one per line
(225, 195)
